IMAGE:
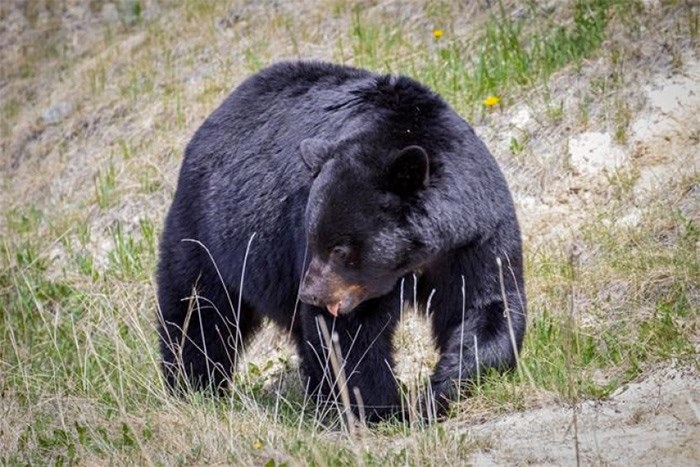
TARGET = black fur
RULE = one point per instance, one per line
(338, 183)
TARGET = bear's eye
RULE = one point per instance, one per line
(340, 253)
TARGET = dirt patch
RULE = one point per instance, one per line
(652, 421)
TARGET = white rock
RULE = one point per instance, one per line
(671, 104)
(669, 98)
(56, 113)
(631, 219)
(593, 152)
(521, 118)
(651, 125)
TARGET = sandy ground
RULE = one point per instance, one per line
(653, 421)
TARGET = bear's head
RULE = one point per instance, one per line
(360, 237)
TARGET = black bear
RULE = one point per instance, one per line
(305, 198)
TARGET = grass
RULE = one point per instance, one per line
(79, 371)
(89, 341)
(507, 53)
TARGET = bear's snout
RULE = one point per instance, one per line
(324, 288)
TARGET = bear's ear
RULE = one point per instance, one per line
(315, 152)
(409, 171)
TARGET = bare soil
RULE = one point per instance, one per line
(652, 421)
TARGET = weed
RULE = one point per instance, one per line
(97, 79)
(24, 221)
(125, 148)
(516, 147)
(149, 180)
(555, 112)
(106, 186)
(128, 258)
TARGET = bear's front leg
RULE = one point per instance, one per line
(481, 342)
(473, 329)
(362, 345)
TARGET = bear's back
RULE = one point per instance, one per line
(273, 110)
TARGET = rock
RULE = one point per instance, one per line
(631, 220)
(521, 118)
(57, 112)
(592, 152)
(670, 97)
(671, 103)
(109, 13)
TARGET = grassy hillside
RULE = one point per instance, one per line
(98, 100)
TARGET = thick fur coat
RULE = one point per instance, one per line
(330, 184)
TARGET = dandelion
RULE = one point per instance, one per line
(258, 444)
(437, 33)
(491, 101)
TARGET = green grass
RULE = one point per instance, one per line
(106, 186)
(79, 371)
(506, 54)
(91, 339)
(629, 332)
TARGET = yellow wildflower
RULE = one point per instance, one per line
(258, 444)
(491, 101)
(437, 33)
